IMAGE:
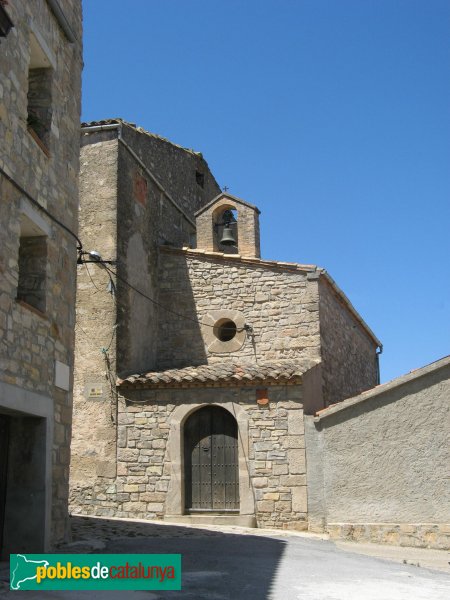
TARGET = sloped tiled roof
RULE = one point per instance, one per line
(219, 374)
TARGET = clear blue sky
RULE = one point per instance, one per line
(332, 116)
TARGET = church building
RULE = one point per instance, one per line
(196, 359)
(215, 386)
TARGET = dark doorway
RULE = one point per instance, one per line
(4, 444)
(25, 502)
(211, 461)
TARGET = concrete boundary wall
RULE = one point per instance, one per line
(378, 463)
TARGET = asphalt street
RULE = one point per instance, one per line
(221, 565)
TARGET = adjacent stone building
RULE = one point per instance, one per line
(40, 91)
(196, 359)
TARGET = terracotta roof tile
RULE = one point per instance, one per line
(223, 373)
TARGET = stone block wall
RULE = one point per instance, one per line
(34, 340)
(274, 454)
(378, 463)
(146, 218)
(245, 230)
(52, 179)
(94, 414)
(124, 215)
(281, 306)
(150, 201)
(177, 169)
(349, 354)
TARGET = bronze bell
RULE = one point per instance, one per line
(227, 236)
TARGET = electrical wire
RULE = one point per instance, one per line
(79, 328)
(41, 208)
(111, 379)
(246, 328)
(160, 305)
(90, 277)
(106, 350)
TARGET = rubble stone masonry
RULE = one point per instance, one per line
(127, 448)
(35, 339)
(281, 306)
(124, 214)
(350, 362)
(274, 456)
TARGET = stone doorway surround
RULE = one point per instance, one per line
(28, 501)
(211, 467)
(266, 399)
(175, 510)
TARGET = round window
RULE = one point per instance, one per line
(225, 330)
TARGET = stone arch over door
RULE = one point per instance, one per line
(175, 503)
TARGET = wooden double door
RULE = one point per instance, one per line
(211, 461)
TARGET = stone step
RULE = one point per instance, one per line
(213, 519)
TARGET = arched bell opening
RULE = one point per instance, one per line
(211, 461)
(225, 224)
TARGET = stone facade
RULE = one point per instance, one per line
(280, 305)
(295, 312)
(274, 464)
(40, 91)
(350, 364)
(245, 229)
(137, 191)
(379, 462)
(203, 328)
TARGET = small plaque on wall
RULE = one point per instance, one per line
(62, 375)
(94, 391)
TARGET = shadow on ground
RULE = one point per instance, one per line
(215, 565)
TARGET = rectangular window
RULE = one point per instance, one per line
(32, 283)
(32, 271)
(40, 75)
(200, 178)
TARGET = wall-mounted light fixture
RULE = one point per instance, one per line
(94, 257)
